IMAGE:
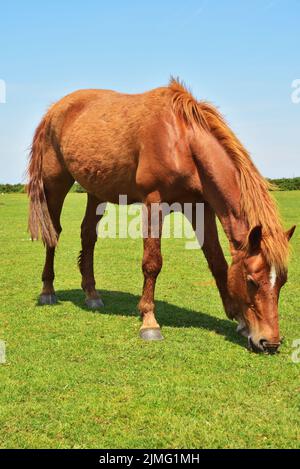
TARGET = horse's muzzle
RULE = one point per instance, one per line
(264, 346)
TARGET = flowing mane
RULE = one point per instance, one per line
(257, 205)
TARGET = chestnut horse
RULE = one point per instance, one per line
(162, 146)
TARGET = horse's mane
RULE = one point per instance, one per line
(257, 205)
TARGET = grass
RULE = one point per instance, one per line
(80, 379)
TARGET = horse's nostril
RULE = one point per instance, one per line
(270, 347)
(263, 343)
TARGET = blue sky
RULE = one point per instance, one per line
(241, 55)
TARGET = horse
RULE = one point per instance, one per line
(162, 146)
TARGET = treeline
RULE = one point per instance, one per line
(21, 188)
(6, 188)
(286, 184)
(283, 184)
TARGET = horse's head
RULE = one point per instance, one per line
(254, 287)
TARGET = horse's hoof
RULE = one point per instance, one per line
(94, 303)
(151, 334)
(47, 299)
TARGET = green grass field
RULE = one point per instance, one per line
(81, 379)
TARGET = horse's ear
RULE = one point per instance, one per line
(254, 238)
(290, 232)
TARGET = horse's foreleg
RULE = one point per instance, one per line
(215, 258)
(86, 257)
(152, 263)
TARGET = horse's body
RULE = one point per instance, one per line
(160, 146)
(105, 139)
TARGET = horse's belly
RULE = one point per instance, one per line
(105, 177)
(102, 157)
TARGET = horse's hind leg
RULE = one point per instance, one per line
(86, 256)
(152, 263)
(56, 190)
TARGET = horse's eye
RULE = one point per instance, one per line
(252, 282)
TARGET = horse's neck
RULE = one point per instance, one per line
(219, 180)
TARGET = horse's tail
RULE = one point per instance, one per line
(39, 217)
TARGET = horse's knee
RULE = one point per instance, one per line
(88, 236)
(152, 265)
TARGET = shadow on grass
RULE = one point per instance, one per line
(125, 304)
